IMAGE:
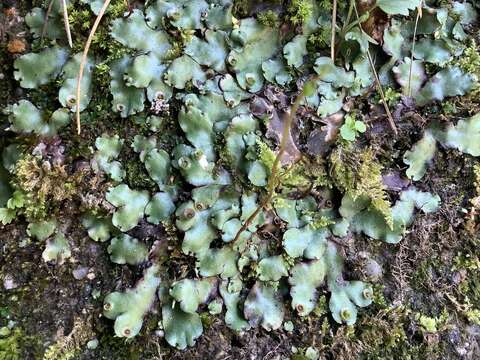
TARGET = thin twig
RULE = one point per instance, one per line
(84, 59)
(334, 25)
(377, 80)
(45, 22)
(382, 94)
(349, 15)
(276, 167)
(67, 23)
(410, 71)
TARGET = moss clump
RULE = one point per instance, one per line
(15, 345)
(382, 336)
(322, 307)
(469, 62)
(468, 290)
(10, 344)
(320, 39)
(265, 155)
(40, 187)
(303, 174)
(476, 173)
(358, 174)
(299, 11)
(241, 8)
(68, 346)
(268, 18)
(392, 97)
(137, 177)
(80, 18)
(432, 324)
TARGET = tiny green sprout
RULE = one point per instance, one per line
(367, 293)
(184, 163)
(231, 60)
(189, 213)
(71, 100)
(345, 314)
(198, 154)
(351, 128)
(392, 97)
(250, 78)
(189, 103)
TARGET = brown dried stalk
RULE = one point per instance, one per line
(334, 25)
(274, 178)
(45, 21)
(419, 15)
(84, 59)
(377, 79)
(66, 22)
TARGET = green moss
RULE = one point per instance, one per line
(80, 17)
(467, 262)
(391, 96)
(117, 8)
(378, 296)
(265, 155)
(241, 8)
(473, 316)
(299, 175)
(432, 324)
(67, 347)
(469, 62)
(112, 347)
(449, 107)
(299, 11)
(268, 18)
(39, 188)
(358, 174)
(423, 273)
(15, 345)
(136, 175)
(10, 345)
(383, 336)
(476, 173)
(322, 307)
(320, 39)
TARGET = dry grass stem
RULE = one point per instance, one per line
(84, 60)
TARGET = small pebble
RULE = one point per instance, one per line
(373, 270)
(312, 354)
(91, 276)
(288, 326)
(9, 283)
(92, 344)
(80, 272)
